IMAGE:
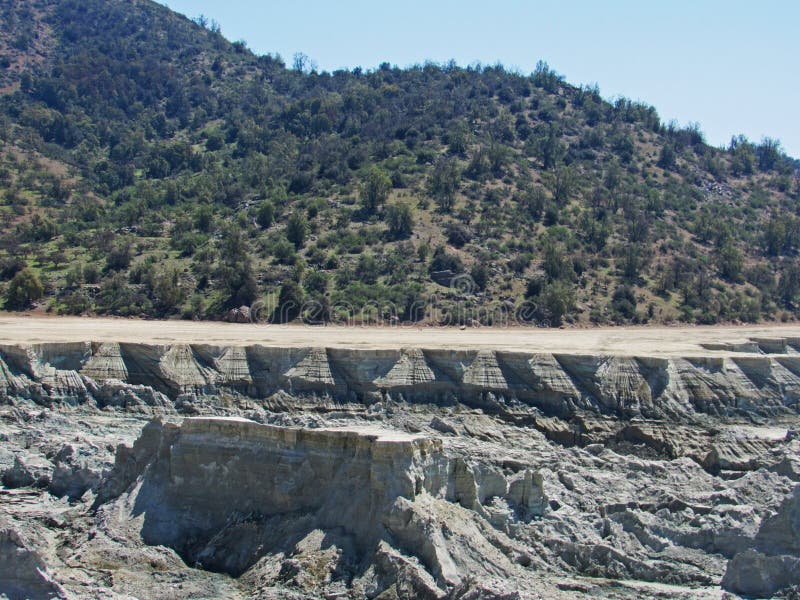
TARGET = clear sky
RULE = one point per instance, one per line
(731, 66)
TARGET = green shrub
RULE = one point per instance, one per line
(24, 289)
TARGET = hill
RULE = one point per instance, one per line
(148, 166)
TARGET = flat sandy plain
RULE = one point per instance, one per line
(641, 341)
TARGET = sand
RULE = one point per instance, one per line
(649, 341)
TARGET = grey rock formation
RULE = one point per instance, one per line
(75, 472)
(314, 372)
(106, 362)
(409, 371)
(773, 564)
(232, 366)
(680, 389)
(23, 572)
(484, 372)
(28, 470)
(216, 489)
(407, 473)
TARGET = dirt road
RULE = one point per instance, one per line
(650, 341)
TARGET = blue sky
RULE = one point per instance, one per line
(730, 66)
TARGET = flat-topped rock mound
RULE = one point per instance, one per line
(364, 436)
(227, 493)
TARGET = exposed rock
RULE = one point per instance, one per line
(233, 366)
(780, 534)
(314, 371)
(23, 573)
(550, 376)
(621, 384)
(773, 564)
(399, 473)
(540, 381)
(737, 454)
(484, 372)
(28, 470)
(133, 398)
(75, 472)
(676, 389)
(717, 386)
(12, 385)
(239, 315)
(758, 575)
(105, 363)
(216, 490)
(410, 370)
(179, 366)
(443, 426)
(771, 377)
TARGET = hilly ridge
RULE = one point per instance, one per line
(148, 166)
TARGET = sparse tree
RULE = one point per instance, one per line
(557, 300)
(167, 291)
(265, 215)
(235, 270)
(666, 159)
(203, 217)
(444, 182)
(789, 284)
(768, 153)
(774, 236)
(375, 189)
(296, 229)
(23, 290)
(730, 262)
(457, 140)
(549, 149)
(316, 282)
(562, 184)
(480, 275)
(400, 219)
(290, 302)
(623, 303)
(120, 256)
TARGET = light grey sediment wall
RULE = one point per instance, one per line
(557, 384)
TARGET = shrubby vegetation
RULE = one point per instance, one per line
(23, 290)
(150, 167)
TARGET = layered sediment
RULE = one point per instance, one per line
(252, 471)
(226, 493)
(627, 387)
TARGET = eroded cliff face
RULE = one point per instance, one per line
(679, 389)
(228, 493)
(572, 399)
(194, 471)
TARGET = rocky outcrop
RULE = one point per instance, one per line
(484, 373)
(773, 564)
(410, 371)
(10, 383)
(75, 472)
(106, 362)
(313, 372)
(23, 572)
(677, 389)
(224, 493)
(401, 498)
(231, 364)
(397, 473)
(28, 470)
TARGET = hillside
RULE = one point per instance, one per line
(148, 166)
